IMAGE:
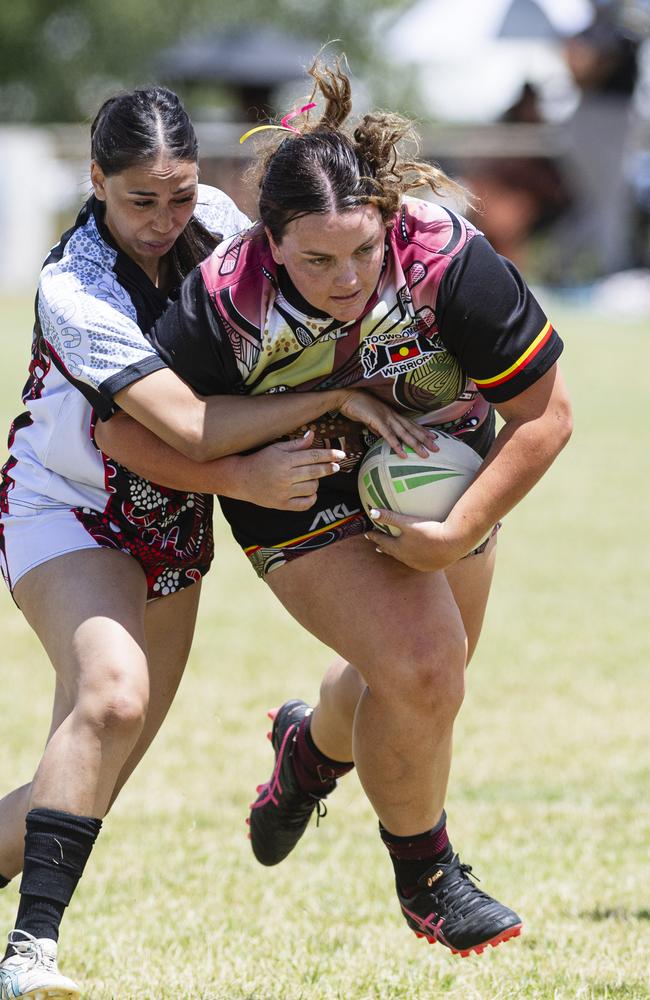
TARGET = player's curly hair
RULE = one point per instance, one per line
(328, 166)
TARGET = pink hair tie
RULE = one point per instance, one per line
(284, 123)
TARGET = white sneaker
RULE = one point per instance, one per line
(32, 971)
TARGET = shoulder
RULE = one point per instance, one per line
(82, 266)
(239, 261)
(431, 227)
(218, 213)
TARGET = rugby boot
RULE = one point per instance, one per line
(282, 810)
(448, 907)
(32, 971)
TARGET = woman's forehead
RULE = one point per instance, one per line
(355, 224)
(163, 170)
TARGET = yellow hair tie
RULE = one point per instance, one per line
(283, 126)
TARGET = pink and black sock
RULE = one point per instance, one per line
(57, 847)
(315, 772)
(413, 856)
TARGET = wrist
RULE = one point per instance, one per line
(462, 537)
(229, 476)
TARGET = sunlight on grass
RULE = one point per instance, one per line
(549, 793)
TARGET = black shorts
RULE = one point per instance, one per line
(271, 538)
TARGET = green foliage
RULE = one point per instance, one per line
(60, 58)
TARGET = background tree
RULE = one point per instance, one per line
(60, 58)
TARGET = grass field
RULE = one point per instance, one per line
(549, 795)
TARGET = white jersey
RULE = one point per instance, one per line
(93, 303)
(92, 306)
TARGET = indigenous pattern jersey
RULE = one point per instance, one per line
(92, 305)
(450, 329)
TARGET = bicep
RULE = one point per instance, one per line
(547, 397)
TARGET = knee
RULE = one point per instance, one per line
(117, 709)
(429, 673)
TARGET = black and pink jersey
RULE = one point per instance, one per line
(451, 328)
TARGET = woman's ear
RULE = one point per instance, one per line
(98, 180)
(276, 252)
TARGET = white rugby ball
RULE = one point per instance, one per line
(425, 487)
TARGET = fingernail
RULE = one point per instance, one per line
(306, 434)
(335, 466)
(375, 515)
(366, 537)
(379, 551)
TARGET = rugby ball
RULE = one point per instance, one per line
(425, 487)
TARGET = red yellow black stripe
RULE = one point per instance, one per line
(521, 362)
(251, 549)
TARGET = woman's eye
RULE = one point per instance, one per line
(183, 201)
(142, 204)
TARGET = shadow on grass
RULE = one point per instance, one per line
(619, 913)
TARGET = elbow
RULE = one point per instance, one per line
(563, 423)
(191, 438)
(195, 447)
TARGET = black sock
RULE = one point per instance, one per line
(316, 773)
(413, 856)
(57, 847)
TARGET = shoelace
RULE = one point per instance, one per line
(321, 809)
(462, 887)
(27, 947)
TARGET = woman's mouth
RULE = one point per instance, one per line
(159, 246)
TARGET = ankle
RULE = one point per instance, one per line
(412, 856)
(316, 773)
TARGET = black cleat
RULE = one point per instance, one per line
(282, 810)
(449, 908)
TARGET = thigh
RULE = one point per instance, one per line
(470, 580)
(169, 628)
(369, 608)
(87, 608)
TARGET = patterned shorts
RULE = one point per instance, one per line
(32, 536)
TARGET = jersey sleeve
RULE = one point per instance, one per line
(490, 320)
(89, 326)
(191, 340)
(218, 213)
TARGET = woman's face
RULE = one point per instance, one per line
(148, 207)
(334, 260)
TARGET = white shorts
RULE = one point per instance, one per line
(29, 538)
(31, 535)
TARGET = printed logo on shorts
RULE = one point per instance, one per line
(331, 515)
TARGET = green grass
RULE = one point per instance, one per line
(549, 792)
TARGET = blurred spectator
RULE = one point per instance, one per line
(520, 196)
(598, 236)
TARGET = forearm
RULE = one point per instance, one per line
(205, 428)
(521, 454)
(138, 449)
